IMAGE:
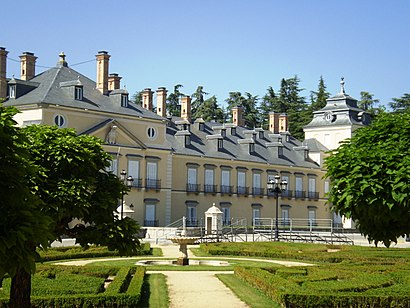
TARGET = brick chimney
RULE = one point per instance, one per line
(28, 65)
(186, 108)
(114, 82)
(103, 59)
(283, 123)
(147, 99)
(237, 117)
(3, 71)
(162, 102)
(274, 122)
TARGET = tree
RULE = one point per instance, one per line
(209, 110)
(137, 98)
(267, 106)
(319, 97)
(198, 101)
(173, 108)
(401, 104)
(70, 180)
(22, 225)
(249, 104)
(370, 176)
(367, 103)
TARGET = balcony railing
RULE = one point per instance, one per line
(225, 189)
(210, 188)
(257, 191)
(313, 195)
(193, 187)
(191, 222)
(299, 194)
(151, 223)
(286, 194)
(152, 184)
(137, 183)
(241, 190)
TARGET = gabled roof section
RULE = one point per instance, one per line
(49, 90)
(112, 122)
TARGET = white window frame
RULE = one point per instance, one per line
(113, 166)
(133, 167)
(78, 93)
(225, 180)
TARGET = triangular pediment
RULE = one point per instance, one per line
(114, 133)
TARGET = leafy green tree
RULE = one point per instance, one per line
(401, 104)
(319, 97)
(267, 105)
(69, 182)
(367, 103)
(249, 104)
(22, 225)
(370, 176)
(137, 98)
(209, 110)
(173, 107)
(198, 97)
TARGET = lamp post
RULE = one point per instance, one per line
(277, 186)
(128, 182)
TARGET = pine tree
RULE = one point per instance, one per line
(318, 98)
(266, 106)
(173, 107)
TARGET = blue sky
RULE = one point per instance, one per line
(223, 45)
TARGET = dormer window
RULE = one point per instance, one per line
(78, 93)
(280, 151)
(187, 140)
(220, 144)
(251, 148)
(201, 126)
(233, 131)
(12, 90)
(124, 100)
(223, 132)
(261, 135)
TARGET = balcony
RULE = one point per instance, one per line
(193, 187)
(225, 189)
(137, 183)
(313, 195)
(151, 223)
(191, 222)
(241, 190)
(299, 194)
(286, 194)
(152, 184)
(210, 188)
(257, 191)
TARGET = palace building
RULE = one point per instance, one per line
(180, 165)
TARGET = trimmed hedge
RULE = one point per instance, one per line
(76, 252)
(325, 287)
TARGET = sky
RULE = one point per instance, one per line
(222, 45)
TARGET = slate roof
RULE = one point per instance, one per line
(236, 147)
(50, 90)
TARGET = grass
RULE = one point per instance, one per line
(154, 292)
(251, 296)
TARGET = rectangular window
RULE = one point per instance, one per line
(191, 217)
(226, 215)
(150, 220)
(192, 184)
(285, 216)
(113, 166)
(327, 186)
(312, 217)
(78, 93)
(257, 184)
(209, 180)
(134, 171)
(152, 175)
(312, 194)
(299, 193)
(256, 214)
(241, 185)
(124, 100)
(226, 181)
(12, 90)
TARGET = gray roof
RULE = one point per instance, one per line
(51, 88)
(236, 147)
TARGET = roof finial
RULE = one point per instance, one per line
(62, 62)
(342, 86)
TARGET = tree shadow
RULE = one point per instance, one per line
(145, 293)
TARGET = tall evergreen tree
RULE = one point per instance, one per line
(367, 103)
(267, 105)
(209, 110)
(318, 98)
(137, 98)
(250, 105)
(198, 101)
(401, 104)
(173, 107)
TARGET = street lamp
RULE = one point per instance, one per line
(128, 182)
(277, 186)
